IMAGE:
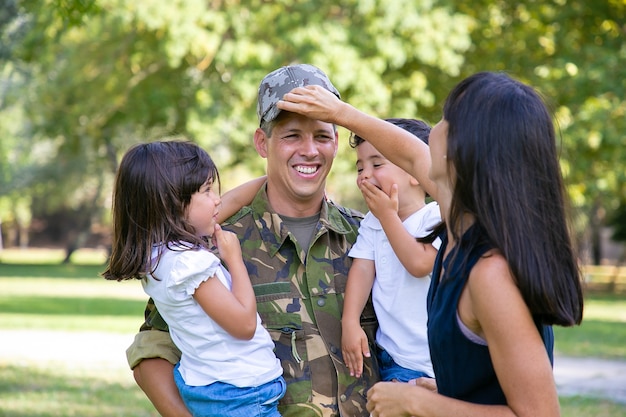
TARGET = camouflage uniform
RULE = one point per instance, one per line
(300, 300)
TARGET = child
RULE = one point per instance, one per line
(392, 264)
(506, 270)
(166, 208)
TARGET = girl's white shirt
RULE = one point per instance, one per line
(399, 298)
(209, 353)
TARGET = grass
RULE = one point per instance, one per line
(41, 294)
(602, 332)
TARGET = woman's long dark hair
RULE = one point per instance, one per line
(501, 143)
(153, 188)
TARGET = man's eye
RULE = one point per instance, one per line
(325, 138)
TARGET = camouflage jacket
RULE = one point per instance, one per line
(300, 300)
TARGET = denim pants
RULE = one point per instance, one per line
(390, 370)
(224, 400)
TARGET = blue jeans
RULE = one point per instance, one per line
(220, 400)
(390, 370)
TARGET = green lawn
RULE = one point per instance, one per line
(44, 295)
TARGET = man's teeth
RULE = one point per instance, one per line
(306, 170)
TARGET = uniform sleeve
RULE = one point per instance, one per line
(190, 269)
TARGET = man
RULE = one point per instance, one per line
(295, 244)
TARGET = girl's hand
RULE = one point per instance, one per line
(227, 245)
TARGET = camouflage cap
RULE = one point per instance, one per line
(281, 81)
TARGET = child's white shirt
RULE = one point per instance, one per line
(399, 298)
(209, 353)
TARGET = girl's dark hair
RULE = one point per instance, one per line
(153, 188)
(501, 144)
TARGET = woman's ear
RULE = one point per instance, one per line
(260, 142)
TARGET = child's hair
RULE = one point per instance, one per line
(418, 128)
(153, 188)
(501, 145)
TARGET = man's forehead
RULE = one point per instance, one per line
(297, 122)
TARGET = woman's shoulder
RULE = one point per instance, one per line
(491, 272)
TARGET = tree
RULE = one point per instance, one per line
(108, 73)
(573, 52)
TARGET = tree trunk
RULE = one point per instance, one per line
(595, 224)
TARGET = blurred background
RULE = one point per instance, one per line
(82, 80)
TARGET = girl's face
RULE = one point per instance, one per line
(203, 209)
(438, 144)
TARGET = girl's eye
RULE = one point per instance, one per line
(359, 170)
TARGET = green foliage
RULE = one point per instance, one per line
(573, 52)
(113, 72)
(85, 79)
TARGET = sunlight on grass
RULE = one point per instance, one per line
(72, 323)
(71, 304)
(45, 255)
(52, 287)
(606, 309)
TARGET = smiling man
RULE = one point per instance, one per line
(295, 245)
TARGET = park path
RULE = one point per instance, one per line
(574, 376)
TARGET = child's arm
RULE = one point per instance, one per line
(238, 197)
(416, 257)
(396, 144)
(235, 310)
(353, 339)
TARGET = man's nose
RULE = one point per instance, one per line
(308, 146)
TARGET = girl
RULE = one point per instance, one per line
(506, 270)
(165, 221)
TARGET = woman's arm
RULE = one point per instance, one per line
(238, 197)
(396, 144)
(492, 306)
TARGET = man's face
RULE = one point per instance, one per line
(300, 153)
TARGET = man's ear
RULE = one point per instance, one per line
(336, 142)
(260, 142)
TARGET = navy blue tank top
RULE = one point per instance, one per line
(463, 368)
